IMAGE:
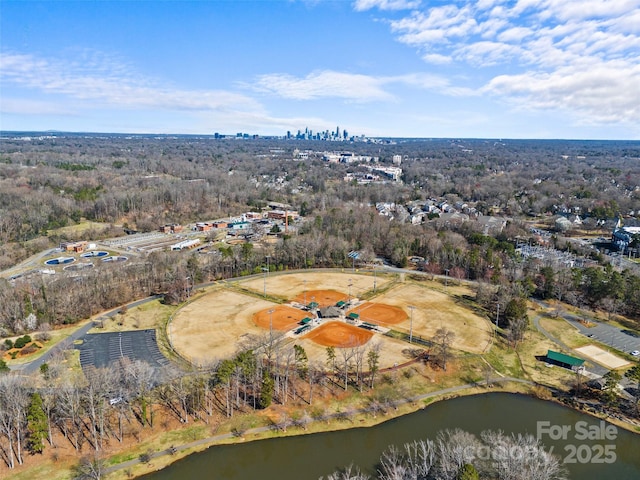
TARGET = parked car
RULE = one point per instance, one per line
(635, 353)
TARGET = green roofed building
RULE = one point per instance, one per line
(340, 304)
(353, 316)
(312, 306)
(305, 321)
(566, 361)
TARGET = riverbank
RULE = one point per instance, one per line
(334, 422)
(338, 411)
(358, 419)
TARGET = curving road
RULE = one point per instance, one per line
(34, 365)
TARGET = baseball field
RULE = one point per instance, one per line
(214, 326)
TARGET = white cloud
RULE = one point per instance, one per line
(362, 5)
(580, 91)
(23, 106)
(514, 34)
(110, 84)
(578, 56)
(323, 84)
(348, 86)
(436, 58)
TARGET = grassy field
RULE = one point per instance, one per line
(153, 314)
(212, 327)
(222, 310)
(565, 332)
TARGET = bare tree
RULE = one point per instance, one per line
(349, 473)
(415, 461)
(454, 448)
(442, 341)
(521, 457)
(96, 391)
(70, 411)
(346, 354)
(373, 361)
(90, 468)
(138, 378)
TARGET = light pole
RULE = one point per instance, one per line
(188, 289)
(350, 283)
(264, 293)
(412, 308)
(304, 283)
(266, 272)
(446, 278)
(374, 279)
(271, 324)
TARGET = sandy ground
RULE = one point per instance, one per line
(324, 298)
(283, 318)
(602, 357)
(291, 285)
(433, 310)
(380, 314)
(212, 327)
(339, 334)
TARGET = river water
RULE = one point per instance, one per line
(309, 457)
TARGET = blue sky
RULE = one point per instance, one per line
(403, 68)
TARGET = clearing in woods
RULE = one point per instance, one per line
(213, 326)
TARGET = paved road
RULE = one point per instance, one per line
(33, 366)
(623, 340)
(595, 368)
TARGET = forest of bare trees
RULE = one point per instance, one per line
(142, 182)
(139, 183)
(459, 455)
(104, 406)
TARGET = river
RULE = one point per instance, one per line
(309, 457)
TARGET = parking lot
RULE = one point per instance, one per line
(622, 340)
(100, 350)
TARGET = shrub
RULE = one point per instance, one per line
(28, 350)
(22, 341)
(8, 343)
(43, 337)
(145, 457)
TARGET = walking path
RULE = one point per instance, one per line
(597, 369)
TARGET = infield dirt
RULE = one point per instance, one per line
(214, 325)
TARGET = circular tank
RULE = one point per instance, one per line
(60, 261)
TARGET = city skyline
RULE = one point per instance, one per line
(379, 68)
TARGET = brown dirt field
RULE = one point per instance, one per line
(290, 285)
(380, 314)
(338, 334)
(284, 318)
(324, 298)
(212, 327)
